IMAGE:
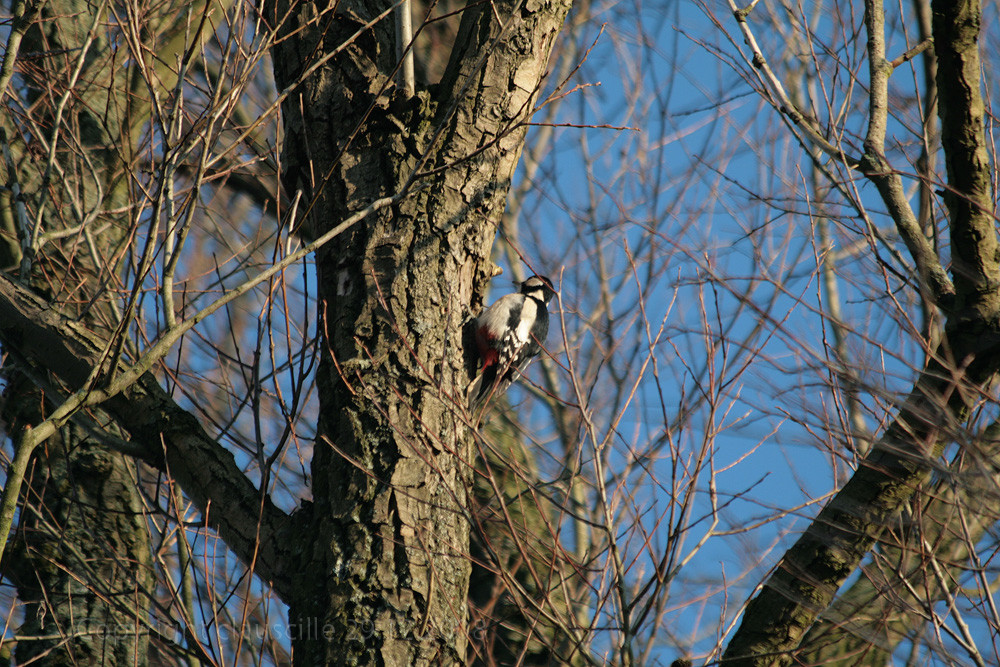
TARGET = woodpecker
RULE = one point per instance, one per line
(508, 334)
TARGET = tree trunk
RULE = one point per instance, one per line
(82, 561)
(389, 533)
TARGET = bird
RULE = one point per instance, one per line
(508, 334)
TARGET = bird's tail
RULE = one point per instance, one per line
(481, 388)
(472, 396)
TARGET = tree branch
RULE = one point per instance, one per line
(968, 197)
(779, 98)
(806, 579)
(890, 187)
(873, 163)
(252, 526)
(864, 620)
(875, 166)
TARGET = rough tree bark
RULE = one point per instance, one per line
(393, 462)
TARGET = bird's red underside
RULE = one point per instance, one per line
(488, 354)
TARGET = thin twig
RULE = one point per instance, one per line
(404, 45)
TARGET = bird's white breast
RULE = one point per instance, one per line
(529, 313)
